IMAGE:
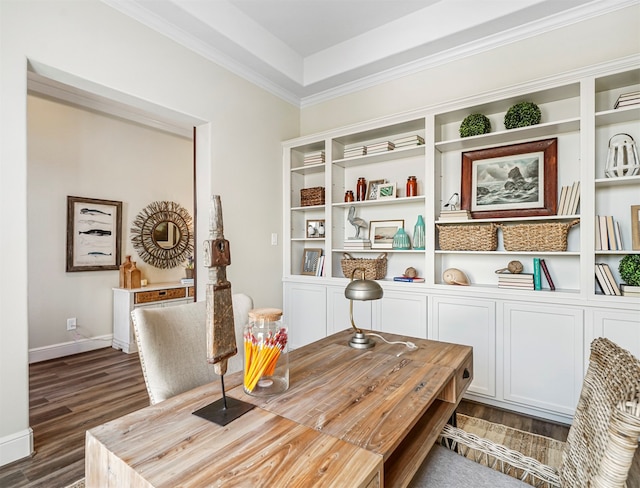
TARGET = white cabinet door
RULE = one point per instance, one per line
(305, 313)
(473, 323)
(543, 356)
(623, 328)
(338, 312)
(401, 313)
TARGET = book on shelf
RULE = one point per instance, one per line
(608, 235)
(516, 286)
(320, 266)
(625, 99)
(629, 290)
(187, 281)
(569, 199)
(537, 274)
(547, 275)
(562, 200)
(528, 277)
(352, 152)
(379, 147)
(605, 280)
(455, 215)
(414, 140)
(408, 279)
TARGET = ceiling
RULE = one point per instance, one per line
(306, 51)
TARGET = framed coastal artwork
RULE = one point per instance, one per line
(93, 234)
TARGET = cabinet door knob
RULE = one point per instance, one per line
(465, 373)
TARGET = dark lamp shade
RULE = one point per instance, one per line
(363, 290)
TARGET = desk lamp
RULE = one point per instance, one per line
(361, 289)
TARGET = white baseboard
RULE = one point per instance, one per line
(16, 446)
(68, 348)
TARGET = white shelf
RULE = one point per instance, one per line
(310, 169)
(510, 219)
(386, 201)
(512, 253)
(620, 181)
(404, 152)
(546, 130)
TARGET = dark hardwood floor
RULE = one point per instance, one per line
(73, 394)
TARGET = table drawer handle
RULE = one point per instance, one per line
(465, 373)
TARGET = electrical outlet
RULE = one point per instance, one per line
(71, 324)
(274, 239)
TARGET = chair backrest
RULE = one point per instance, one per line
(172, 343)
(613, 378)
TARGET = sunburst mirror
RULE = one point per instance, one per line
(162, 234)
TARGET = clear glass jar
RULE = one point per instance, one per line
(266, 353)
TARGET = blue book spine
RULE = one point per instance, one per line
(537, 276)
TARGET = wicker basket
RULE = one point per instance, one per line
(468, 237)
(312, 196)
(548, 236)
(374, 269)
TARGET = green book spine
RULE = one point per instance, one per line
(537, 277)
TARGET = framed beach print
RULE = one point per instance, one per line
(310, 259)
(519, 180)
(372, 189)
(93, 234)
(381, 232)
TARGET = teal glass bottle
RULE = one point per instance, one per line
(418, 234)
(401, 240)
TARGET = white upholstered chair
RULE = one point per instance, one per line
(172, 346)
(598, 453)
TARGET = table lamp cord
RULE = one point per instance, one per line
(410, 345)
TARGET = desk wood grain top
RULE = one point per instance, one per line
(346, 412)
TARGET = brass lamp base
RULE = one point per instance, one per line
(361, 341)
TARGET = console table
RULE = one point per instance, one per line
(350, 418)
(126, 299)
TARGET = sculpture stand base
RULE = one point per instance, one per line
(361, 341)
(225, 410)
(217, 413)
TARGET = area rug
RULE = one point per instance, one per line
(544, 449)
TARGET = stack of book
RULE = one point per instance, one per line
(316, 157)
(608, 235)
(187, 281)
(630, 291)
(380, 147)
(605, 280)
(355, 151)
(320, 266)
(626, 99)
(569, 200)
(540, 268)
(357, 244)
(519, 281)
(455, 215)
(408, 141)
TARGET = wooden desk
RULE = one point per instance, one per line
(350, 418)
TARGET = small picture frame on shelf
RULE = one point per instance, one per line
(310, 260)
(315, 229)
(385, 191)
(381, 232)
(372, 189)
(519, 180)
(635, 227)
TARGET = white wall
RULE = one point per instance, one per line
(597, 40)
(72, 151)
(242, 129)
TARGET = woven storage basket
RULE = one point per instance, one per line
(312, 196)
(468, 237)
(548, 236)
(374, 269)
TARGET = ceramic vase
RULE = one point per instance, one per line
(401, 240)
(418, 234)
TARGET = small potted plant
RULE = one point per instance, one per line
(474, 125)
(629, 269)
(522, 114)
(188, 269)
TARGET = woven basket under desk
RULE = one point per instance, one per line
(537, 237)
(468, 237)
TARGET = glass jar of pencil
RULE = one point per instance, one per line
(266, 357)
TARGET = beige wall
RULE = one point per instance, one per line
(78, 152)
(240, 128)
(590, 42)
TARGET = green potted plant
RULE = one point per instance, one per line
(474, 125)
(629, 269)
(522, 114)
(188, 269)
